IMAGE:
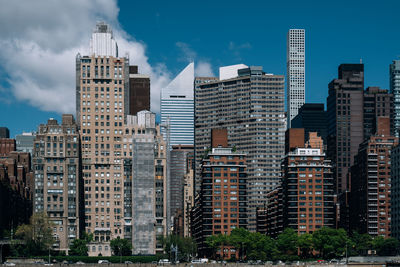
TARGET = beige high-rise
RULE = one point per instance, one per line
(57, 179)
(101, 108)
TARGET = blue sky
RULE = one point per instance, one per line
(222, 33)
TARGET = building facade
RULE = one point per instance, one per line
(377, 102)
(16, 188)
(58, 179)
(146, 187)
(370, 197)
(102, 104)
(7, 145)
(251, 108)
(177, 107)
(345, 121)
(270, 217)
(143, 191)
(139, 91)
(395, 192)
(4, 132)
(188, 201)
(296, 71)
(24, 142)
(394, 74)
(178, 169)
(312, 118)
(307, 187)
(221, 206)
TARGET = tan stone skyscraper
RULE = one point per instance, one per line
(101, 108)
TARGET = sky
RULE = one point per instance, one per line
(40, 39)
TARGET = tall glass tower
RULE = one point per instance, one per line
(395, 90)
(295, 75)
(177, 104)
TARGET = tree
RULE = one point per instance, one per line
(186, 246)
(38, 235)
(330, 243)
(87, 237)
(260, 247)
(121, 247)
(188, 249)
(385, 247)
(78, 248)
(213, 244)
(286, 244)
(239, 239)
(216, 242)
(305, 245)
(361, 243)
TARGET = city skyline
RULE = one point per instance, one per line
(219, 139)
(21, 90)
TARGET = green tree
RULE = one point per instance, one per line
(305, 245)
(38, 236)
(330, 243)
(78, 248)
(385, 247)
(87, 237)
(213, 244)
(188, 249)
(361, 243)
(239, 239)
(286, 244)
(216, 242)
(121, 247)
(186, 246)
(260, 247)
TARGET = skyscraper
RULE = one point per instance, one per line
(222, 202)
(371, 183)
(377, 102)
(4, 132)
(308, 192)
(345, 111)
(139, 91)
(251, 108)
(395, 90)
(295, 73)
(145, 170)
(177, 104)
(178, 169)
(58, 184)
(102, 81)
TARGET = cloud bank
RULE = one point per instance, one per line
(40, 39)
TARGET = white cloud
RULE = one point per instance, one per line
(40, 39)
(188, 54)
(203, 69)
